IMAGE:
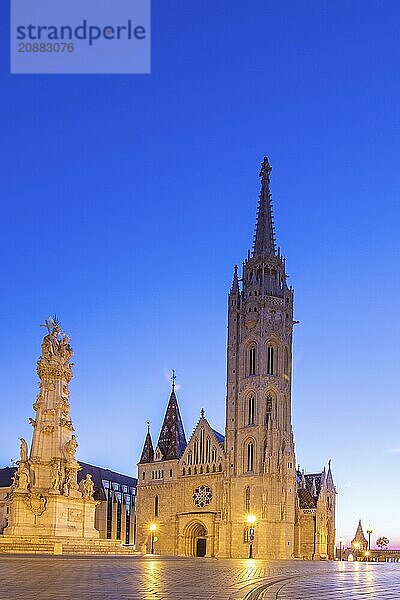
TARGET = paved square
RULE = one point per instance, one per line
(147, 578)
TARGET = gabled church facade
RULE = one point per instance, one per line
(240, 495)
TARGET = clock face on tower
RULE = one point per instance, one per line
(202, 496)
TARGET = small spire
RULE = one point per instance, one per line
(235, 281)
(148, 450)
(303, 480)
(264, 240)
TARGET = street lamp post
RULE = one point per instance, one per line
(369, 531)
(251, 520)
(340, 547)
(152, 528)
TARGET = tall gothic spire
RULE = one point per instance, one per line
(264, 239)
(172, 440)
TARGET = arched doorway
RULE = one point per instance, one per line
(195, 535)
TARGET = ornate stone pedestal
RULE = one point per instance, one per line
(35, 515)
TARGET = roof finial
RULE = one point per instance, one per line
(148, 426)
(202, 413)
(173, 380)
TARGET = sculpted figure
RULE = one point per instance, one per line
(70, 448)
(65, 349)
(15, 478)
(23, 478)
(87, 487)
(55, 476)
(50, 344)
(23, 450)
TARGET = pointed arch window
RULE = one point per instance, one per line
(247, 499)
(249, 457)
(202, 445)
(190, 458)
(214, 455)
(271, 359)
(252, 355)
(251, 409)
(156, 506)
(196, 452)
(286, 361)
(208, 450)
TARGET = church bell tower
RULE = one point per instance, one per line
(259, 438)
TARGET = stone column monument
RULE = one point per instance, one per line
(45, 499)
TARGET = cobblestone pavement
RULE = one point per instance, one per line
(148, 578)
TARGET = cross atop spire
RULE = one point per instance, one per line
(264, 239)
(173, 380)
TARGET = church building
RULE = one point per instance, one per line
(239, 494)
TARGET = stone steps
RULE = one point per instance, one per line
(18, 545)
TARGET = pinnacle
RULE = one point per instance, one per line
(264, 239)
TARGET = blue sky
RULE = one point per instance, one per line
(126, 201)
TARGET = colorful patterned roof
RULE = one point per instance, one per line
(172, 440)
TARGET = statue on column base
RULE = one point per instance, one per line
(55, 478)
(87, 487)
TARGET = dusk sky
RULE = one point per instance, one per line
(127, 200)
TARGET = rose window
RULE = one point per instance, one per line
(202, 496)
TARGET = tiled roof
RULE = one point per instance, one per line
(305, 495)
(148, 450)
(6, 476)
(305, 499)
(219, 436)
(172, 440)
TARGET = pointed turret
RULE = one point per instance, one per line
(148, 450)
(264, 239)
(172, 440)
(329, 478)
(359, 539)
(235, 282)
